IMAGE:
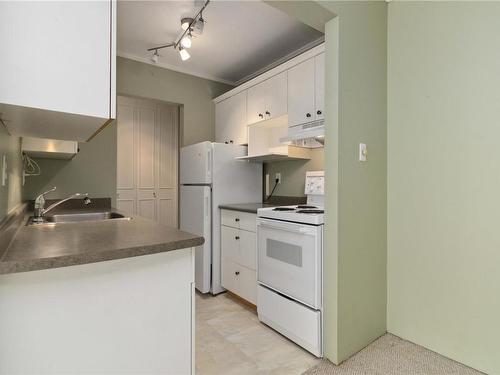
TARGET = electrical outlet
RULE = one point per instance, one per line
(278, 178)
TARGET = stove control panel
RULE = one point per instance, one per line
(315, 183)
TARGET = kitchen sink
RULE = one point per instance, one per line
(84, 216)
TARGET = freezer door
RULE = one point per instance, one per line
(196, 164)
(195, 217)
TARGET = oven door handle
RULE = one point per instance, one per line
(300, 230)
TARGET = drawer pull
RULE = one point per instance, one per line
(237, 237)
(237, 273)
(236, 219)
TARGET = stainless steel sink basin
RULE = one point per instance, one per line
(84, 216)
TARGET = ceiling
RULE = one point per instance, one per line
(240, 37)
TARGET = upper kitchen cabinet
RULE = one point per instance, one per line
(57, 71)
(268, 99)
(306, 91)
(231, 120)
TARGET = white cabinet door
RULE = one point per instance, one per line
(167, 156)
(231, 120)
(147, 153)
(57, 56)
(301, 93)
(319, 78)
(275, 96)
(256, 103)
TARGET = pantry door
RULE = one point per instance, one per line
(147, 159)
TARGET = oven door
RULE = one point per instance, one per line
(290, 259)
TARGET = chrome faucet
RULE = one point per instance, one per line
(40, 209)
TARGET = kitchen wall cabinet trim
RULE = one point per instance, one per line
(272, 72)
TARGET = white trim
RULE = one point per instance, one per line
(270, 73)
(282, 60)
(174, 68)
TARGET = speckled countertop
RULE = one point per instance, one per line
(38, 247)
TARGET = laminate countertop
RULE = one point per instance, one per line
(39, 247)
(245, 207)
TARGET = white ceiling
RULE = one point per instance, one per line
(240, 37)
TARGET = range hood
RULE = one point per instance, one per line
(310, 134)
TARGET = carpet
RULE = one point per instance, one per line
(391, 355)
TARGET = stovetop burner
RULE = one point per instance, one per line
(301, 206)
(307, 211)
(284, 209)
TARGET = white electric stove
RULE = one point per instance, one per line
(310, 213)
(290, 267)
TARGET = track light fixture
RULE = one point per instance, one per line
(186, 41)
(155, 56)
(189, 25)
(184, 54)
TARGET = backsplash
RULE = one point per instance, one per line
(293, 173)
(10, 194)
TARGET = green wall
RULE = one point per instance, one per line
(355, 223)
(293, 173)
(360, 207)
(10, 194)
(92, 170)
(193, 93)
(443, 178)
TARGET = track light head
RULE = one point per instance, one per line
(155, 57)
(186, 40)
(184, 54)
(185, 22)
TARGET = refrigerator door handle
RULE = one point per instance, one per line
(209, 165)
(207, 208)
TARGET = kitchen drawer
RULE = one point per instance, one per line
(239, 246)
(237, 219)
(239, 280)
(292, 319)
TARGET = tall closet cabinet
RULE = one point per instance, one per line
(147, 159)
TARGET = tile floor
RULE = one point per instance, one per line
(231, 340)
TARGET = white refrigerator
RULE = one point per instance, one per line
(210, 176)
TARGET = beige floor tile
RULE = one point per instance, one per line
(231, 340)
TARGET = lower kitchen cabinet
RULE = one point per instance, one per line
(239, 254)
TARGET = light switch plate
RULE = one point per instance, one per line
(363, 152)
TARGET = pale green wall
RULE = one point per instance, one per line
(10, 194)
(195, 94)
(360, 210)
(293, 173)
(92, 170)
(355, 230)
(443, 178)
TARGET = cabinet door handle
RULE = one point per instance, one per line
(237, 273)
(261, 115)
(236, 237)
(268, 113)
(318, 112)
(308, 115)
(236, 219)
(231, 141)
(226, 142)
(154, 194)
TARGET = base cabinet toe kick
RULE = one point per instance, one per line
(133, 315)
